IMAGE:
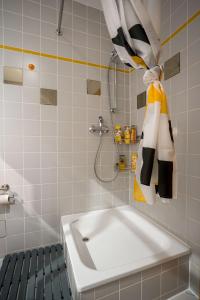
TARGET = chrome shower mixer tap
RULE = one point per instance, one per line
(100, 129)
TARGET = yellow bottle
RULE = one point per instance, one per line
(134, 157)
(122, 163)
(127, 135)
(118, 134)
(133, 134)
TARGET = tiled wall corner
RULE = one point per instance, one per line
(181, 216)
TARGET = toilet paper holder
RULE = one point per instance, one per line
(4, 190)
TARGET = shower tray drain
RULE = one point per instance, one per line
(85, 239)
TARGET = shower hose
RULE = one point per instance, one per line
(101, 135)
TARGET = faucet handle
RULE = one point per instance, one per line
(100, 119)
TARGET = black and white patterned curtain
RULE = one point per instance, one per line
(132, 33)
(137, 45)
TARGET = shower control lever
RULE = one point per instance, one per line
(100, 121)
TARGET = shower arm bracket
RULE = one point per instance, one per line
(58, 30)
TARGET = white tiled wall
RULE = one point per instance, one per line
(46, 153)
(182, 216)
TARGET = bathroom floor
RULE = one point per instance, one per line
(186, 295)
(36, 274)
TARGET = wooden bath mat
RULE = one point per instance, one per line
(38, 274)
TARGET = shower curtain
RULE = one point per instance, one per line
(137, 45)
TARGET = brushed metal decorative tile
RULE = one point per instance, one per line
(48, 97)
(172, 66)
(12, 75)
(141, 100)
(93, 87)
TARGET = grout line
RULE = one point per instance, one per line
(105, 296)
(86, 74)
(133, 284)
(187, 173)
(195, 221)
(67, 59)
(142, 280)
(72, 205)
(53, 8)
(195, 199)
(180, 28)
(58, 213)
(76, 61)
(41, 232)
(23, 142)
(3, 137)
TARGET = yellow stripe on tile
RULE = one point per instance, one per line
(183, 26)
(67, 59)
(94, 65)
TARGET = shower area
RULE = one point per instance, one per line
(64, 94)
(59, 76)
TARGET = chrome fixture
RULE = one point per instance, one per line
(4, 187)
(5, 190)
(113, 75)
(59, 31)
(99, 129)
(10, 199)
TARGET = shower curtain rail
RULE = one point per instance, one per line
(59, 31)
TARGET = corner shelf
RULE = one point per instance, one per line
(123, 143)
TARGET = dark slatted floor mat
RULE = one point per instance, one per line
(39, 274)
